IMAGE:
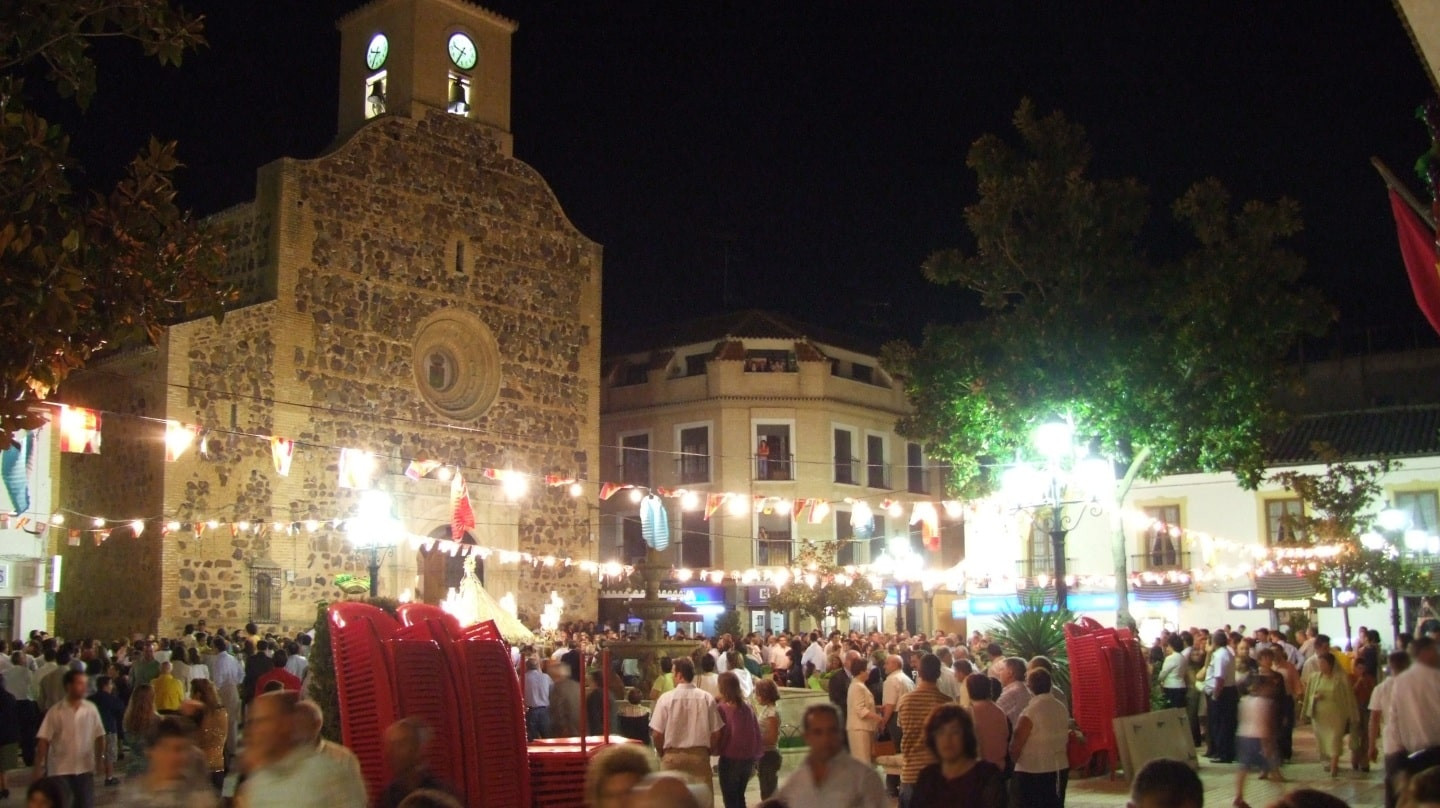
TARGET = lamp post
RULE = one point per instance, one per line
(1395, 536)
(374, 529)
(1068, 468)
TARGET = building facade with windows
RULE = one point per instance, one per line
(773, 412)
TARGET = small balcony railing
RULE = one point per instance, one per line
(1032, 568)
(877, 475)
(774, 466)
(847, 471)
(773, 553)
(1160, 560)
(693, 468)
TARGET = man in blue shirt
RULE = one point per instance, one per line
(537, 701)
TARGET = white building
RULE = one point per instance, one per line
(1209, 530)
(28, 566)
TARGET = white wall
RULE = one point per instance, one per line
(22, 553)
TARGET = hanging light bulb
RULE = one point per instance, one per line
(577, 490)
(173, 527)
(689, 500)
(444, 473)
(212, 524)
(953, 508)
(57, 519)
(783, 506)
(514, 485)
(895, 509)
(243, 526)
(311, 525)
(99, 522)
(737, 504)
(137, 527)
(636, 495)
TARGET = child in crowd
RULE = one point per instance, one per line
(1255, 737)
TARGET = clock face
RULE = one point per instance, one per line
(376, 53)
(462, 51)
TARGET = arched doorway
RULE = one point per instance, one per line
(439, 571)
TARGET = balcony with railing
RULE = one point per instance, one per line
(773, 466)
(847, 470)
(877, 475)
(1168, 559)
(774, 552)
(1032, 568)
(691, 468)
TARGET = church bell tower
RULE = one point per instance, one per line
(398, 56)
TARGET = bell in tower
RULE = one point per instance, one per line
(399, 57)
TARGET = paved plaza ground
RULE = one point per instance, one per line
(1358, 789)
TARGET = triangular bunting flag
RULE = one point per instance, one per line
(713, 503)
(282, 450)
(929, 519)
(74, 538)
(356, 469)
(819, 509)
(178, 438)
(608, 490)
(79, 430)
(420, 468)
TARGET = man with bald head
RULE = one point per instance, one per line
(897, 686)
(285, 763)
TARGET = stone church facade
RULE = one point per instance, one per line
(415, 292)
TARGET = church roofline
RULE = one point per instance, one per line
(470, 8)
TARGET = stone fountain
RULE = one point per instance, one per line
(652, 610)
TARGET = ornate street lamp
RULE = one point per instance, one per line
(1398, 539)
(374, 529)
(1070, 476)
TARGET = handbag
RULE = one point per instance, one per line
(885, 747)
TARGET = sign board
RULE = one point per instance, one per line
(758, 596)
(703, 595)
(1156, 734)
(4, 576)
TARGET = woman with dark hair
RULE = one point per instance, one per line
(740, 742)
(1174, 669)
(767, 695)
(1042, 769)
(989, 723)
(961, 777)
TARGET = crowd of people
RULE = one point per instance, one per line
(220, 717)
(205, 719)
(954, 721)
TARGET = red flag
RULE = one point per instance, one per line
(462, 517)
(713, 503)
(1417, 246)
(607, 490)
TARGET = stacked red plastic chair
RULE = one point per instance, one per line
(364, 681)
(425, 689)
(1092, 698)
(497, 718)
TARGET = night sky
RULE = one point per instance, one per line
(817, 149)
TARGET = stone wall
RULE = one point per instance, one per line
(112, 589)
(407, 218)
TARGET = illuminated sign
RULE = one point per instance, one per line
(702, 596)
(1242, 599)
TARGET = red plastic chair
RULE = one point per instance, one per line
(495, 718)
(425, 689)
(412, 614)
(364, 682)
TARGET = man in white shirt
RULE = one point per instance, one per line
(896, 686)
(1380, 706)
(285, 767)
(1014, 698)
(830, 778)
(685, 726)
(294, 662)
(226, 673)
(70, 740)
(947, 683)
(814, 653)
(1224, 700)
(1415, 701)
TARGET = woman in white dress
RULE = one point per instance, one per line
(861, 719)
